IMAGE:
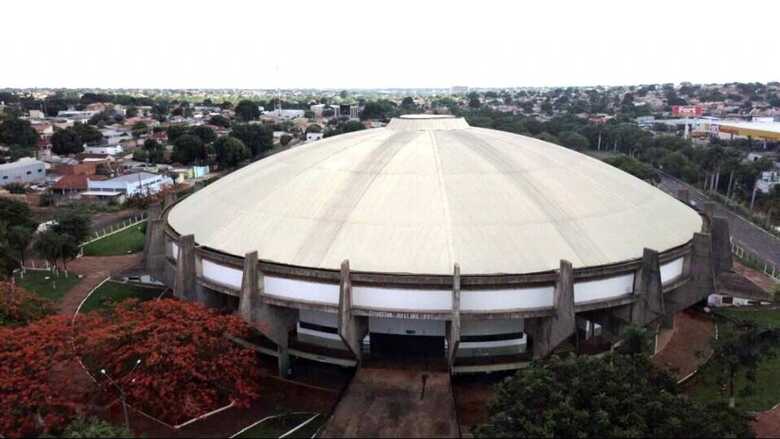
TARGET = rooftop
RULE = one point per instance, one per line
(424, 193)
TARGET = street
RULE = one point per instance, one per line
(744, 232)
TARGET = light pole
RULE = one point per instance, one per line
(122, 396)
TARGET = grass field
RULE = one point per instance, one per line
(769, 318)
(765, 391)
(130, 240)
(111, 293)
(273, 428)
(47, 284)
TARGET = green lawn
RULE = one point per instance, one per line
(769, 318)
(111, 293)
(47, 284)
(273, 428)
(130, 240)
(765, 391)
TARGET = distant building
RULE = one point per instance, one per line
(767, 181)
(284, 114)
(36, 114)
(129, 185)
(103, 149)
(25, 171)
(75, 115)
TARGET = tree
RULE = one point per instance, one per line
(313, 128)
(15, 131)
(16, 226)
(37, 394)
(230, 151)
(176, 131)
(188, 149)
(547, 137)
(66, 141)
(614, 396)
(220, 121)
(408, 104)
(247, 110)
(88, 133)
(473, 98)
(739, 350)
(74, 223)
(255, 136)
(635, 168)
(83, 428)
(154, 152)
(50, 246)
(171, 358)
(573, 140)
(206, 134)
(131, 111)
(139, 129)
(21, 307)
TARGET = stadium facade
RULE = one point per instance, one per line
(485, 247)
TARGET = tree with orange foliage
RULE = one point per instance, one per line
(171, 359)
(19, 306)
(40, 385)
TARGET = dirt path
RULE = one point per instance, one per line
(94, 269)
(689, 346)
(767, 424)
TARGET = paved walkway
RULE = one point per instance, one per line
(395, 403)
(689, 347)
(767, 424)
(94, 269)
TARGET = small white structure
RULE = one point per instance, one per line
(141, 183)
(24, 171)
(103, 149)
(313, 137)
(767, 181)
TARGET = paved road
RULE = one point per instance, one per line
(745, 233)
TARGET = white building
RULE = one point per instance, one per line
(129, 185)
(75, 115)
(26, 170)
(768, 180)
(103, 149)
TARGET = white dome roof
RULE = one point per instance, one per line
(424, 193)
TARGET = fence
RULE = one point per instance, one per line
(116, 228)
(752, 259)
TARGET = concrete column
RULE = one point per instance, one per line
(185, 269)
(453, 325)
(648, 290)
(547, 333)
(272, 321)
(701, 281)
(721, 246)
(154, 247)
(684, 196)
(352, 329)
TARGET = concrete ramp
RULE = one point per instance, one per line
(395, 403)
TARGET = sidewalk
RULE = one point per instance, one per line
(689, 348)
(94, 269)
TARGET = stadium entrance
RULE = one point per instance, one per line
(389, 346)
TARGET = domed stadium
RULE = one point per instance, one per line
(432, 237)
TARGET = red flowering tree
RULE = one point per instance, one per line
(41, 384)
(19, 306)
(171, 358)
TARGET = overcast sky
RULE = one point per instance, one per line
(376, 44)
